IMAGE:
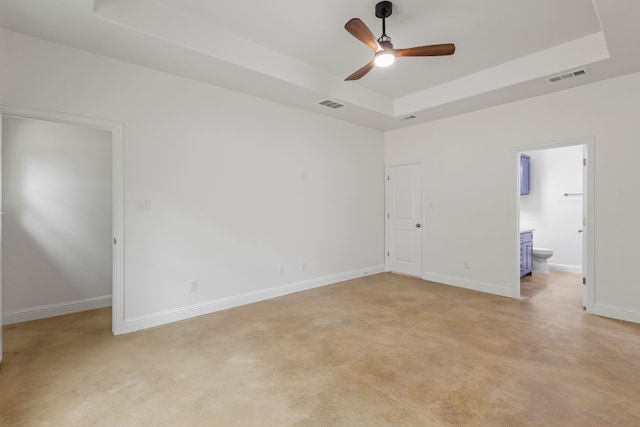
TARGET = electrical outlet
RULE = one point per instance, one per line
(303, 267)
(281, 269)
(193, 285)
(467, 266)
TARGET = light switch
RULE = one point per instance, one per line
(144, 204)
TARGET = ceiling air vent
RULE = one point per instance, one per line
(568, 75)
(402, 119)
(331, 104)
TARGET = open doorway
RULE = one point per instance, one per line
(56, 200)
(63, 215)
(552, 215)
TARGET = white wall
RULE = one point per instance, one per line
(555, 217)
(471, 179)
(238, 185)
(57, 224)
(1, 322)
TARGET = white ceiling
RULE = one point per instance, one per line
(297, 52)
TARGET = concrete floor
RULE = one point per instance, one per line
(381, 350)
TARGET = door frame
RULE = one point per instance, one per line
(588, 240)
(117, 188)
(386, 222)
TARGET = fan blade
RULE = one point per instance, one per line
(359, 30)
(361, 72)
(431, 50)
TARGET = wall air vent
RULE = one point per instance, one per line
(331, 104)
(568, 75)
(402, 119)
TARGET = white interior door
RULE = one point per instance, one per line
(404, 219)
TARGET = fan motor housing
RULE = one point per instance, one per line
(384, 9)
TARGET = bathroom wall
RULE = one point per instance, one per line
(556, 217)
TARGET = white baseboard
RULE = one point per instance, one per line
(43, 311)
(566, 268)
(615, 313)
(468, 284)
(182, 313)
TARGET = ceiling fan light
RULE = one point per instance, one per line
(384, 58)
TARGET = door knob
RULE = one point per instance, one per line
(580, 231)
(418, 226)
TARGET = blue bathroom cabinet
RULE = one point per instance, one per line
(525, 174)
(526, 253)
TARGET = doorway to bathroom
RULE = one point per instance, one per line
(553, 212)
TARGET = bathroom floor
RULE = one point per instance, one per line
(563, 290)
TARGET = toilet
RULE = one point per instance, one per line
(540, 257)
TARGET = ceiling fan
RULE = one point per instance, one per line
(384, 53)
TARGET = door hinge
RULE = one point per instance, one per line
(114, 240)
(387, 216)
(388, 178)
(584, 280)
(584, 162)
(387, 253)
